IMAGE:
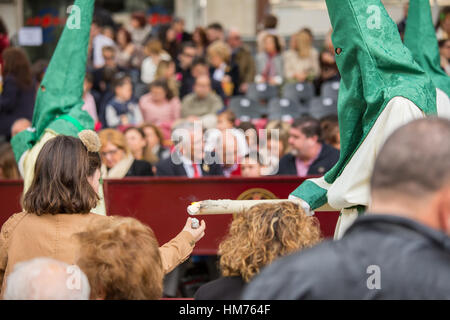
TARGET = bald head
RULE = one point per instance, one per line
(415, 160)
(412, 173)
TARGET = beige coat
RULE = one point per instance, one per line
(26, 236)
(293, 64)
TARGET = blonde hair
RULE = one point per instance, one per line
(264, 233)
(115, 137)
(121, 259)
(160, 74)
(221, 49)
(304, 44)
(153, 47)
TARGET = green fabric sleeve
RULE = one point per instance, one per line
(310, 192)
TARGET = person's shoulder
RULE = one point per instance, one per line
(214, 97)
(142, 167)
(315, 52)
(9, 79)
(289, 54)
(246, 50)
(189, 98)
(260, 56)
(228, 288)
(297, 276)
(10, 225)
(328, 150)
(287, 158)
(146, 98)
(164, 167)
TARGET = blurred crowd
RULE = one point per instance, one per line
(143, 83)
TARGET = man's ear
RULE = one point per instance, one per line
(444, 210)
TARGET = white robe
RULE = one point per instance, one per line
(352, 187)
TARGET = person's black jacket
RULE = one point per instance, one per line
(379, 257)
(326, 160)
(224, 288)
(140, 168)
(167, 168)
(15, 103)
(233, 72)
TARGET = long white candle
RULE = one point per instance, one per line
(207, 207)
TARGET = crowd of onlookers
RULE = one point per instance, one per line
(142, 83)
(145, 82)
(160, 102)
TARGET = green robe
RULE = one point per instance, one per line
(375, 68)
(60, 97)
(420, 38)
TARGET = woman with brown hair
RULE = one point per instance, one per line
(269, 63)
(17, 97)
(117, 159)
(256, 238)
(8, 165)
(200, 41)
(137, 144)
(58, 204)
(139, 29)
(129, 55)
(330, 131)
(160, 107)
(155, 143)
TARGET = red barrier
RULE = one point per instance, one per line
(10, 194)
(161, 202)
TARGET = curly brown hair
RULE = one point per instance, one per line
(264, 233)
(121, 259)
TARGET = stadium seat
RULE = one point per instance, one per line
(286, 109)
(330, 90)
(320, 107)
(261, 92)
(246, 109)
(301, 92)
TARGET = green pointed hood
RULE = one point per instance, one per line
(420, 38)
(375, 67)
(60, 97)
